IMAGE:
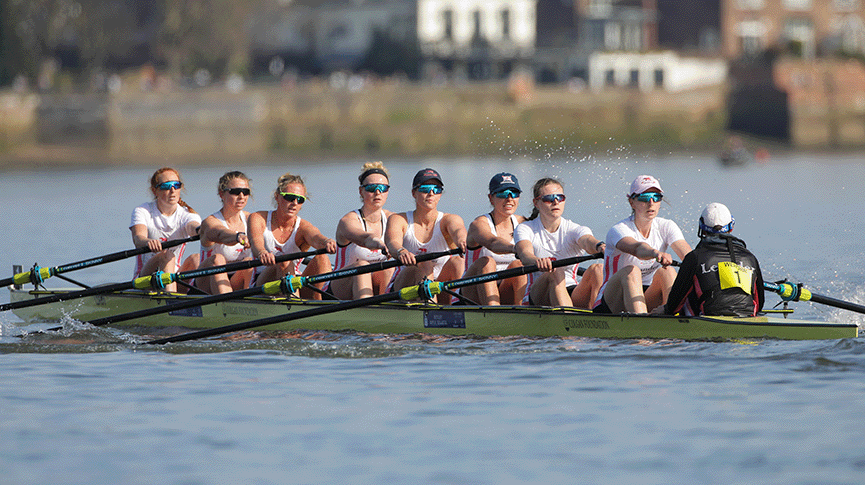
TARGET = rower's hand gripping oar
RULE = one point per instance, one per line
(284, 285)
(426, 290)
(156, 280)
(37, 274)
(796, 292)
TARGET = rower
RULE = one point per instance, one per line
(637, 267)
(425, 230)
(720, 276)
(546, 236)
(360, 237)
(165, 218)
(491, 248)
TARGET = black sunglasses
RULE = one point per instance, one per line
(239, 190)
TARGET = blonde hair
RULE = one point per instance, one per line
(154, 182)
(285, 180)
(536, 192)
(370, 168)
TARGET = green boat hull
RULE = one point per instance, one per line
(401, 318)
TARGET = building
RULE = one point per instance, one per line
(809, 28)
(654, 70)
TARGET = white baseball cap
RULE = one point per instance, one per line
(644, 183)
(716, 215)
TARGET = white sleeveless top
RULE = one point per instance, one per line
(235, 252)
(436, 243)
(502, 260)
(275, 247)
(352, 253)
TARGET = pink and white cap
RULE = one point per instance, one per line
(644, 183)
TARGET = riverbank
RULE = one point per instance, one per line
(315, 120)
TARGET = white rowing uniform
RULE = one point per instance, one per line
(234, 252)
(502, 260)
(436, 244)
(563, 243)
(163, 227)
(662, 234)
(271, 245)
(352, 253)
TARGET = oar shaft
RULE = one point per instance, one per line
(24, 277)
(263, 322)
(405, 293)
(239, 265)
(97, 290)
(271, 287)
(791, 291)
(370, 268)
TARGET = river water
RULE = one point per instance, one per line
(93, 406)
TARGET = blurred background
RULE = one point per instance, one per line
(102, 82)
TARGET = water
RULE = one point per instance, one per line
(92, 406)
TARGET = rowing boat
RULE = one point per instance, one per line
(408, 318)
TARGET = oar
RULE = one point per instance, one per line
(794, 292)
(271, 288)
(37, 275)
(425, 290)
(157, 280)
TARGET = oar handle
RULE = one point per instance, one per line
(371, 268)
(37, 274)
(520, 270)
(239, 265)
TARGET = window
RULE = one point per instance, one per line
(750, 4)
(610, 77)
(634, 78)
(799, 32)
(659, 78)
(506, 24)
(846, 5)
(448, 20)
(476, 21)
(797, 5)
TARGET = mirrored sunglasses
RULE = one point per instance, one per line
(290, 197)
(504, 194)
(550, 198)
(649, 196)
(239, 190)
(174, 184)
(373, 188)
(435, 189)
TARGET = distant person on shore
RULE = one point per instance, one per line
(491, 247)
(224, 236)
(720, 276)
(360, 237)
(546, 236)
(426, 230)
(165, 218)
(282, 231)
(637, 271)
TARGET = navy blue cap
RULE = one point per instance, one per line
(424, 176)
(504, 180)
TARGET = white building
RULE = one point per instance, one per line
(476, 38)
(654, 70)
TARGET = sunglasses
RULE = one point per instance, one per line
(550, 198)
(504, 194)
(373, 188)
(290, 197)
(649, 196)
(174, 184)
(239, 190)
(426, 189)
